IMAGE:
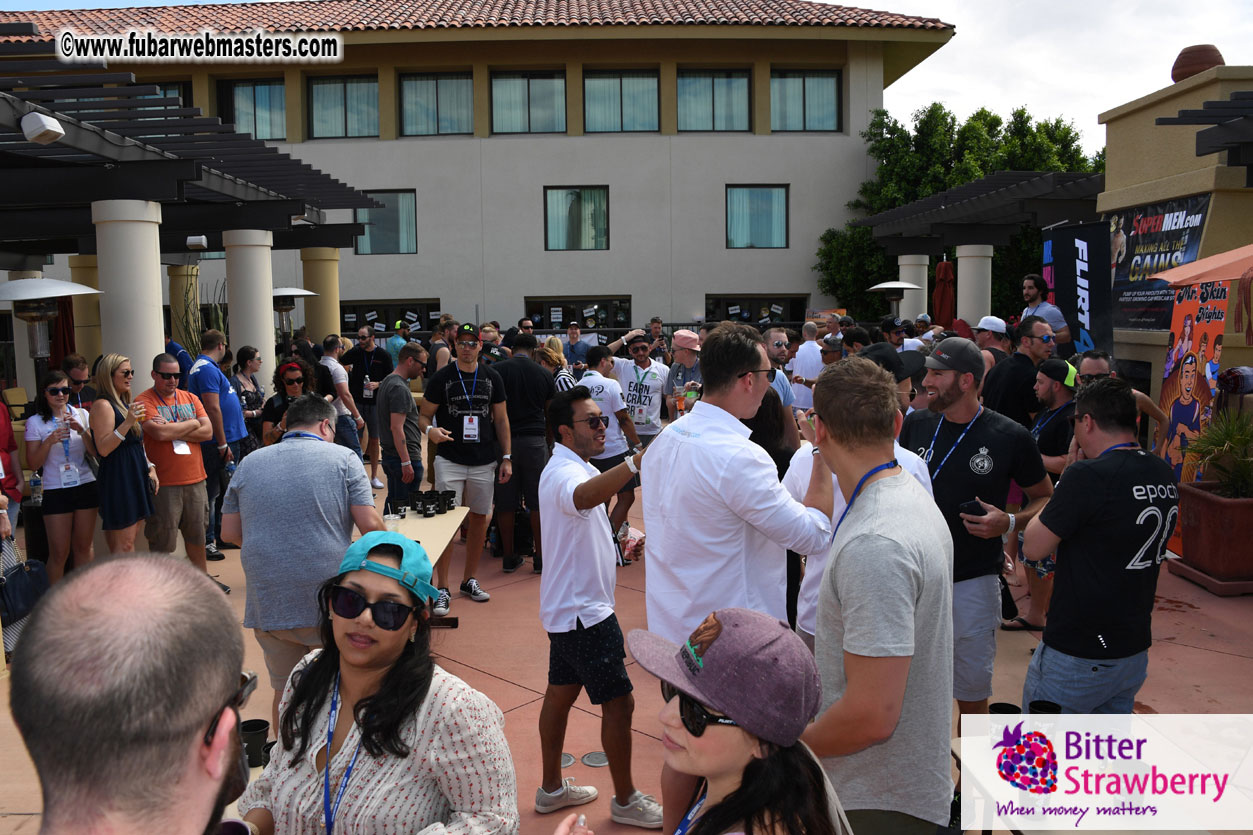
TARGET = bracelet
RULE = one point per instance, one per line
(427, 433)
(119, 435)
(223, 447)
(406, 463)
(508, 456)
(630, 462)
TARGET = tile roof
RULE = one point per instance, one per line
(365, 15)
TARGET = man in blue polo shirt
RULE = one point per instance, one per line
(206, 381)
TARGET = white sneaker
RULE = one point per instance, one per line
(376, 484)
(471, 589)
(569, 795)
(640, 810)
(442, 604)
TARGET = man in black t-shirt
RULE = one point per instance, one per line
(1010, 385)
(992, 339)
(528, 390)
(471, 433)
(368, 363)
(973, 454)
(1114, 510)
(400, 439)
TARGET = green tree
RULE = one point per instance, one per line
(934, 155)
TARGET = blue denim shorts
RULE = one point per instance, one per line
(1084, 685)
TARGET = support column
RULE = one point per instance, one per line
(974, 282)
(320, 267)
(913, 270)
(83, 271)
(128, 253)
(250, 294)
(185, 324)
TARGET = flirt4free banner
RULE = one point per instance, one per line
(1179, 772)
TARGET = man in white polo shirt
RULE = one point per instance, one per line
(576, 600)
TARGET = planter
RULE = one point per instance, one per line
(1217, 532)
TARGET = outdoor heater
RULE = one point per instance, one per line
(35, 303)
(894, 291)
(285, 303)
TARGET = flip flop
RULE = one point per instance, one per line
(1020, 624)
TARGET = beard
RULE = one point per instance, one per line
(233, 784)
(944, 397)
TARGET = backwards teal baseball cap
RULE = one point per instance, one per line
(415, 566)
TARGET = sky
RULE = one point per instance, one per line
(1068, 58)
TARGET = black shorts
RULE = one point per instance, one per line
(607, 464)
(591, 657)
(70, 499)
(529, 454)
(370, 415)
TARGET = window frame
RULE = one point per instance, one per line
(529, 76)
(356, 241)
(804, 73)
(466, 75)
(226, 99)
(787, 211)
(655, 75)
(544, 205)
(713, 113)
(310, 115)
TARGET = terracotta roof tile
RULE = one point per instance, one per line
(358, 15)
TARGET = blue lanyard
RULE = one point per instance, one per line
(856, 492)
(927, 456)
(298, 434)
(1127, 444)
(473, 386)
(690, 817)
(329, 811)
(1039, 427)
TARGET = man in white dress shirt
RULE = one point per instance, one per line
(805, 366)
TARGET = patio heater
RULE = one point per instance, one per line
(284, 304)
(35, 303)
(894, 292)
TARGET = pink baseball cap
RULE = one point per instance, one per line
(686, 339)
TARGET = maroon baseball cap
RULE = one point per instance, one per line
(744, 664)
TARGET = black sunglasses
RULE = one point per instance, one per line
(694, 715)
(247, 683)
(128, 373)
(635, 349)
(387, 614)
(778, 343)
(67, 391)
(769, 372)
(291, 381)
(167, 375)
(598, 422)
(1087, 378)
(74, 382)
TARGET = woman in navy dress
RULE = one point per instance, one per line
(127, 481)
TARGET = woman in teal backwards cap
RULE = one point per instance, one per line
(410, 746)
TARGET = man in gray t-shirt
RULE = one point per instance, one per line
(291, 507)
(884, 641)
(399, 434)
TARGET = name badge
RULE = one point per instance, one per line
(181, 447)
(69, 475)
(2, 465)
(470, 428)
(640, 416)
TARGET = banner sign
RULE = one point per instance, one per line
(1074, 258)
(1145, 241)
(1190, 375)
(1128, 772)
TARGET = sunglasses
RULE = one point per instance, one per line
(1046, 339)
(128, 373)
(65, 392)
(597, 422)
(467, 343)
(778, 343)
(640, 349)
(74, 382)
(1087, 378)
(167, 375)
(247, 683)
(387, 614)
(769, 372)
(696, 718)
(292, 381)
(898, 331)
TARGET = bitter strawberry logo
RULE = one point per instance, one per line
(1028, 761)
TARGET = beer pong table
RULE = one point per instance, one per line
(433, 533)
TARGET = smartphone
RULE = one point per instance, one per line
(972, 508)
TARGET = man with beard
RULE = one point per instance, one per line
(1010, 385)
(123, 740)
(1035, 292)
(973, 453)
(1184, 421)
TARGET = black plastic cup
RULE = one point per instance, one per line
(1043, 706)
(450, 499)
(1003, 707)
(254, 732)
(268, 746)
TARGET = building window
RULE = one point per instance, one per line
(391, 230)
(529, 102)
(620, 101)
(713, 100)
(343, 107)
(758, 309)
(255, 107)
(609, 315)
(213, 256)
(432, 104)
(757, 217)
(576, 217)
(180, 90)
(804, 100)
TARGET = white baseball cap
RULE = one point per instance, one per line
(991, 323)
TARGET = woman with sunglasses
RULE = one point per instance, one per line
(292, 378)
(737, 696)
(127, 482)
(251, 396)
(408, 745)
(57, 440)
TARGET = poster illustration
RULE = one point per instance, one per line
(1145, 241)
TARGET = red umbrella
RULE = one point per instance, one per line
(943, 298)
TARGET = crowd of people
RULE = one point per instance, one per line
(827, 574)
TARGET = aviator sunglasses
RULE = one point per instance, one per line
(694, 715)
(597, 422)
(387, 614)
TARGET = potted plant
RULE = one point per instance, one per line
(1216, 515)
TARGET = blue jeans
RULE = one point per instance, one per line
(399, 493)
(1084, 685)
(215, 484)
(346, 433)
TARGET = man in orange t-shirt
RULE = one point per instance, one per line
(172, 436)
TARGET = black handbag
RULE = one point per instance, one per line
(21, 586)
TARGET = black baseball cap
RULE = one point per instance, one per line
(831, 344)
(468, 329)
(1059, 370)
(574, 323)
(847, 320)
(890, 323)
(900, 364)
(493, 353)
(957, 354)
(639, 337)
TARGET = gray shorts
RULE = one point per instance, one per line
(178, 507)
(474, 485)
(976, 616)
(283, 649)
